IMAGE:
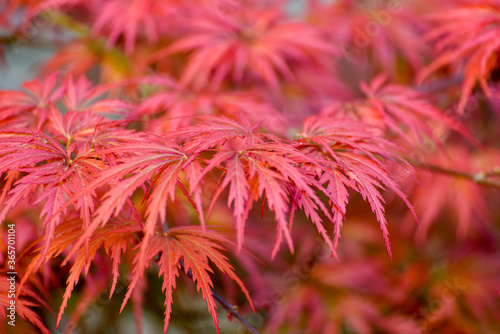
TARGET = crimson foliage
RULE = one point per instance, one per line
(178, 137)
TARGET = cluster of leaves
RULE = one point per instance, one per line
(151, 139)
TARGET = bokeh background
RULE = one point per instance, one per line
(300, 58)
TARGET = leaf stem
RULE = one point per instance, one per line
(479, 178)
(441, 85)
(231, 309)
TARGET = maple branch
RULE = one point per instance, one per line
(441, 85)
(479, 178)
(231, 309)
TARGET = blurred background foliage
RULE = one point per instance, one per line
(444, 276)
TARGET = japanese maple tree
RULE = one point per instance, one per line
(217, 151)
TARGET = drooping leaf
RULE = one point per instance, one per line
(468, 32)
(246, 44)
(189, 249)
(351, 153)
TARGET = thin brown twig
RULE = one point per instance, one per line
(231, 309)
(441, 85)
(479, 178)
(228, 307)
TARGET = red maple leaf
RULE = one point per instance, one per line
(349, 154)
(244, 44)
(174, 105)
(188, 249)
(397, 109)
(30, 108)
(137, 18)
(467, 35)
